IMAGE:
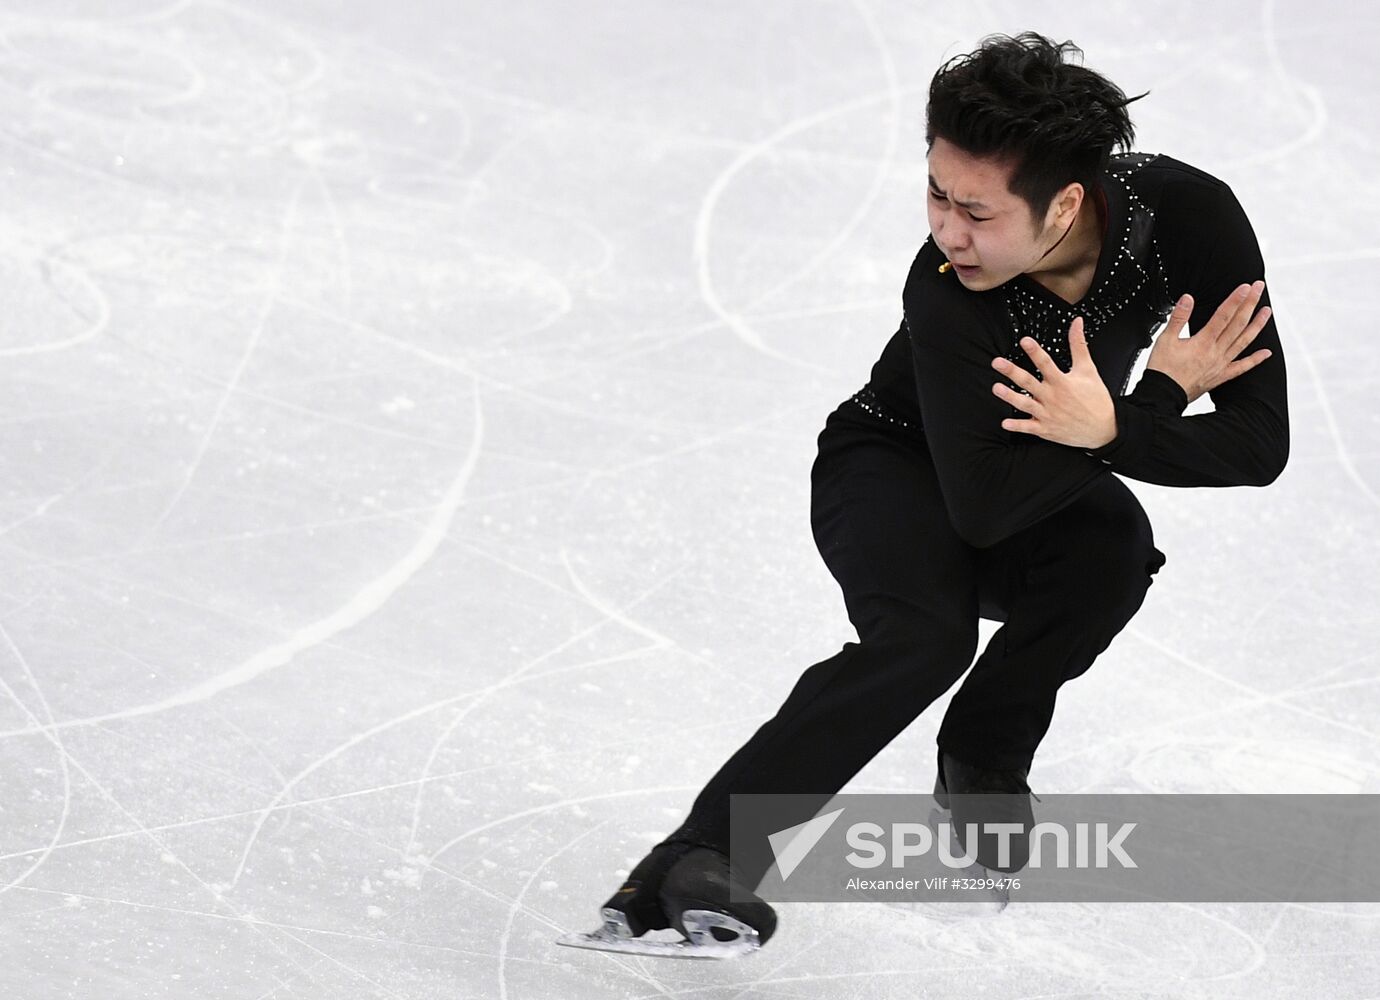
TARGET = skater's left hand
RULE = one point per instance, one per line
(1072, 408)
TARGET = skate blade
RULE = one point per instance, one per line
(614, 936)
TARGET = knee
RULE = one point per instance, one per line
(1119, 558)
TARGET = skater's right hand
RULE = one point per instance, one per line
(1205, 360)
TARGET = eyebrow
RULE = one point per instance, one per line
(965, 204)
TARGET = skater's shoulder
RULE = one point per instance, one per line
(1165, 176)
(1186, 206)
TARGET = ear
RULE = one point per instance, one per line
(1067, 202)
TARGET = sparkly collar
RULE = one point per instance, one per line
(1128, 270)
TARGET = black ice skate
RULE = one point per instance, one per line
(967, 794)
(685, 887)
(977, 795)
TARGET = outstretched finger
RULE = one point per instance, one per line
(1243, 365)
(1024, 403)
(1021, 426)
(1241, 318)
(1225, 314)
(1042, 360)
(1252, 329)
(1078, 344)
(1018, 376)
(1241, 315)
(1183, 309)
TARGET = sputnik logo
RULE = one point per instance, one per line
(792, 844)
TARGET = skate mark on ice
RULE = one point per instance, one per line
(880, 166)
(369, 599)
(1299, 347)
(517, 903)
(1312, 97)
(183, 911)
(46, 262)
(269, 300)
(1257, 958)
(263, 813)
(1127, 737)
(552, 806)
(58, 746)
(321, 761)
(704, 220)
(1265, 697)
(610, 614)
(337, 796)
(553, 405)
(169, 856)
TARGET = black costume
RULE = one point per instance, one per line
(931, 515)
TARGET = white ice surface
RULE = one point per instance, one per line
(407, 417)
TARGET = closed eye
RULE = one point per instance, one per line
(943, 197)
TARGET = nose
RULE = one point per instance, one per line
(951, 248)
(956, 241)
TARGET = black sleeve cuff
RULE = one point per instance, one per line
(1162, 391)
(1155, 393)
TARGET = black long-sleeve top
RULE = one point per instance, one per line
(1170, 228)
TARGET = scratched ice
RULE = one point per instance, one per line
(407, 419)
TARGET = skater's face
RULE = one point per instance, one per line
(992, 230)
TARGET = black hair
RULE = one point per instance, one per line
(1019, 101)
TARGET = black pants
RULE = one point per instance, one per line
(914, 591)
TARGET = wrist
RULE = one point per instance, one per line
(1108, 433)
(1178, 380)
(1163, 390)
(1134, 430)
